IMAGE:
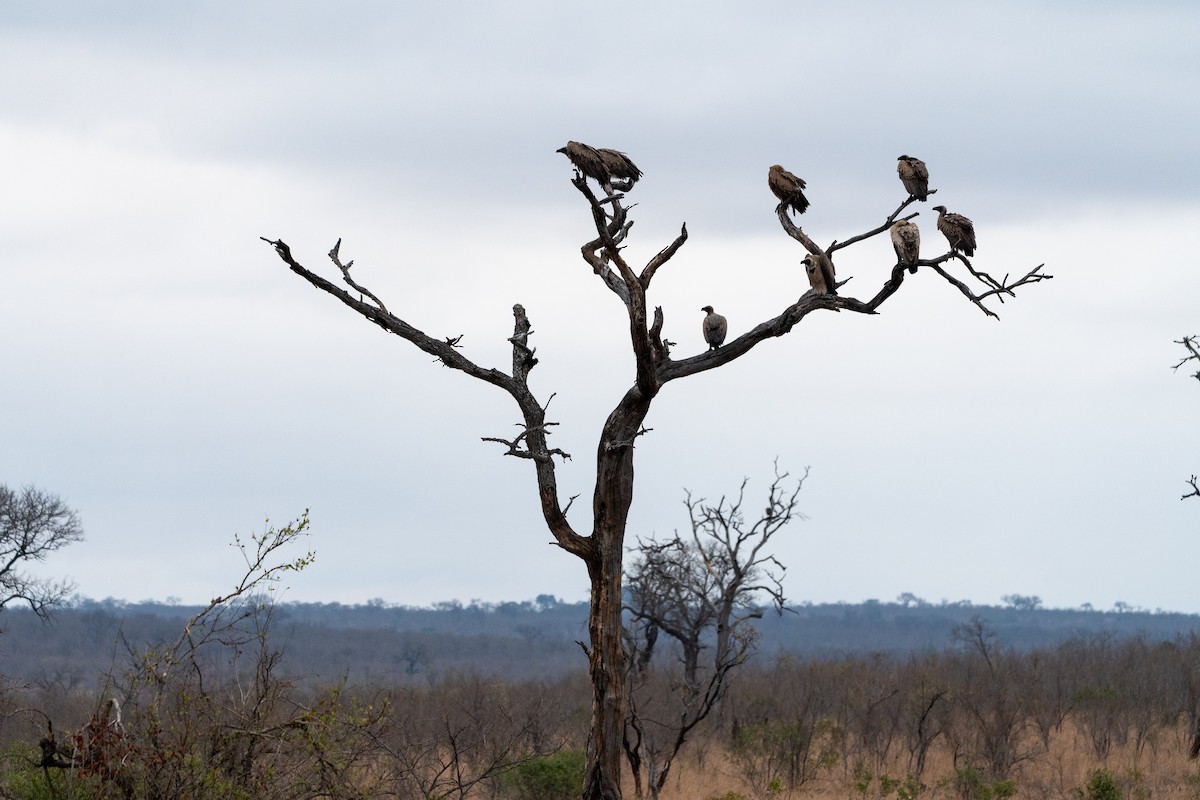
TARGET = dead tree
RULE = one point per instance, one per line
(690, 589)
(33, 524)
(602, 548)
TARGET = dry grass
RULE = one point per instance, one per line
(1158, 769)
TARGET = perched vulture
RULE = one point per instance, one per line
(787, 187)
(958, 230)
(715, 327)
(587, 160)
(619, 167)
(820, 274)
(914, 176)
(907, 241)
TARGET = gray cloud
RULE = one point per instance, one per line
(178, 385)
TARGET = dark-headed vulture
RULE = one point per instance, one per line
(914, 176)
(958, 230)
(787, 187)
(820, 274)
(907, 241)
(587, 160)
(715, 327)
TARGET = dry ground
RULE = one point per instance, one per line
(1159, 769)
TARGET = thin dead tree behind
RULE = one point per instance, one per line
(702, 592)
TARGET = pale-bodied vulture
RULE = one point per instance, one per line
(914, 176)
(907, 241)
(715, 327)
(787, 187)
(958, 230)
(820, 273)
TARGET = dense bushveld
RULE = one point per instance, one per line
(215, 716)
(378, 643)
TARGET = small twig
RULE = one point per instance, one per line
(1193, 354)
(962, 287)
(617, 444)
(345, 269)
(514, 445)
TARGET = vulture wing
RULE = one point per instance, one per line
(787, 187)
(914, 176)
(619, 165)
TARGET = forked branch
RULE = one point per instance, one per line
(531, 443)
(1189, 344)
(668, 369)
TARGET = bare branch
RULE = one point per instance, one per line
(605, 249)
(514, 445)
(534, 435)
(345, 268)
(439, 348)
(663, 257)
(1195, 492)
(660, 347)
(962, 287)
(887, 223)
(810, 301)
(1189, 342)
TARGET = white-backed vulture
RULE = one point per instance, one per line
(907, 241)
(587, 160)
(914, 176)
(787, 187)
(620, 168)
(958, 230)
(714, 327)
(821, 275)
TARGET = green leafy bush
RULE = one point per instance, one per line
(971, 784)
(554, 777)
(1101, 785)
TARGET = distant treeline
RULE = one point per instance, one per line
(377, 642)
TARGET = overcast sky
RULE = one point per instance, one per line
(166, 375)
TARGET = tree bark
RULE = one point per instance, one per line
(606, 656)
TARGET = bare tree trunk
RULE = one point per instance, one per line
(606, 656)
(606, 662)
